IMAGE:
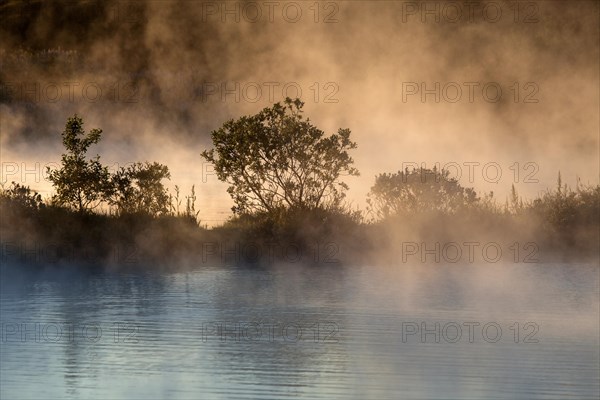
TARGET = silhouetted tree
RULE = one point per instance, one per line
(418, 191)
(80, 183)
(275, 160)
(139, 189)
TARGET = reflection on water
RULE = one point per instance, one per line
(517, 331)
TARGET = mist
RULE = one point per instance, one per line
(171, 72)
(483, 283)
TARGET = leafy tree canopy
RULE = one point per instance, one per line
(418, 191)
(276, 160)
(81, 182)
(139, 189)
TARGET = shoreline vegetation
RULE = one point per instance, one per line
(284, 176)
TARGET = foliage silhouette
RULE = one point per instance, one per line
(275, 160)
(418, 191)
(139, 189)
(81, 183)
(284, 176)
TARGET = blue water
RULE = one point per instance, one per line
(355, 332)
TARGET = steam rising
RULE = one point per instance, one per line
(166, 55)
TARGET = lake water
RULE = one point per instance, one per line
(355, 332)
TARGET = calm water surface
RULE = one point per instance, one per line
(360, 332)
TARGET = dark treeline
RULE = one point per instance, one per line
(284, 176)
